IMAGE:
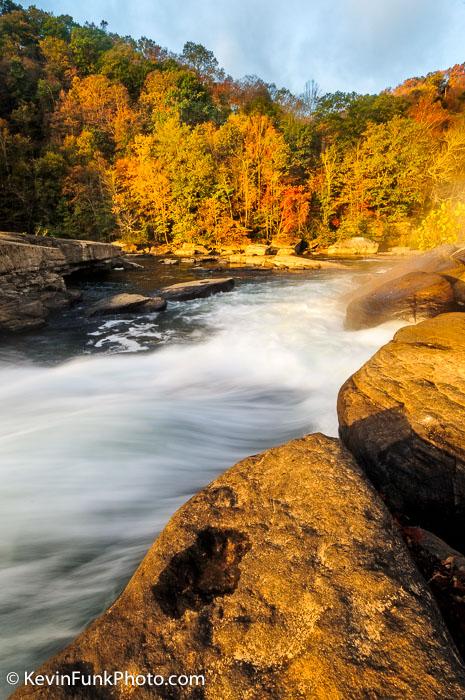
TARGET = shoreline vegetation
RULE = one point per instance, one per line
(106, 138)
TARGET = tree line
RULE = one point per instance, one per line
(105, 137)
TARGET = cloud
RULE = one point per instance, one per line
(362, 45)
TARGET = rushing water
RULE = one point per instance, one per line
(96, 452)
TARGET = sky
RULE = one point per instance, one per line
(361, 45)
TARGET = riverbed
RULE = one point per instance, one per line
(107, 425)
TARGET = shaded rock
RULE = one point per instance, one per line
(33, 270)
(411, 297)
(284, 579)
(127, 264)
(402, 415)
(353, 246)
(120, 303)
(184, 291)
(444, 570)
(24, 316)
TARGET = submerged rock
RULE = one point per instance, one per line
(184, 291)
(402, 415)
(119, 303)
(284, 579)
(411, 297)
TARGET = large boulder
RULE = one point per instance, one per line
(420, 287)
(284, 579)
(353, 246)
(33, 270)
(411, 297)
(403, 417)
(184, 291)
(122, 303)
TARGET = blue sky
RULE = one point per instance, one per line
(362, 45)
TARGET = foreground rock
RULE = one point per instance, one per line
(420, 287)
(403, 417)
(33, 272)
(353, 246)
(444, 569)
(184, 291)
(284, 579)
(119, 303)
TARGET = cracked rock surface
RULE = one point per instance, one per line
(285, 578)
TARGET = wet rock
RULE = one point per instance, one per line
(33, 270)
(196, 289)
(120, 303)
(127, 264)
(402, 415)
(411, 297)
(353, 246)
(444, 569)
(284, 579)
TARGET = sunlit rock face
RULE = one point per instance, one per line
(402, 415)
(285, 578)
(32, 275)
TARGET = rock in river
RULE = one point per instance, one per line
(197, 288)
(410, 297)
(120, 303)
(357, 245)
(425, 285)
(284, 579)
(403, 417)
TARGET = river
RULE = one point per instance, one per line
(107, 426)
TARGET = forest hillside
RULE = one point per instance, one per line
(106, 137)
